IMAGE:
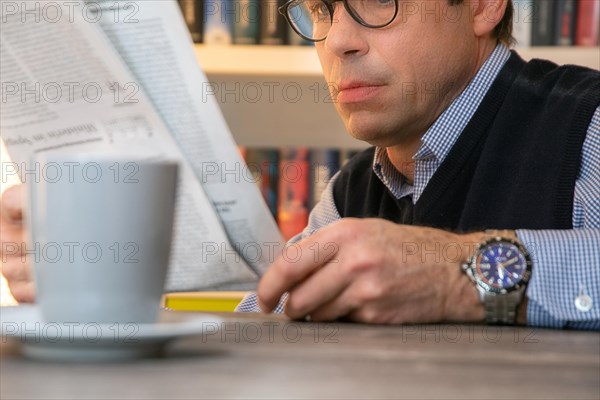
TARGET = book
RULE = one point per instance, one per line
(203, 301)
(324, 164)
(523, 22)
(218, 21)
(542, 33)
(147, 105)
(292, 210)
(246, 24)
(263, 164)
(193, 13)
(292, 180)
(588, 23)
(273, 27)
(565, 16)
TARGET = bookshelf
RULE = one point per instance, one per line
(259, 60)
(276, 95)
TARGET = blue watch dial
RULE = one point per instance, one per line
(501, 265)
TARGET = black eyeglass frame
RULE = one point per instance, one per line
(283, 10)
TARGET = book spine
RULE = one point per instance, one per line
(292, 210)
(588, 23)
(324, 164)
(523, 21)
(564, 29)
(193, 15)
(218, 18)
(271, 182)
(263, 165)
(246, 25)
(273, 29)
(269, 159)
(543, 23)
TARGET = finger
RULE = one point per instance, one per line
(11, 206)
(23, 292)
(318, 289)
(342, 305)
(12, 238)
(293, 266)
(16, 270)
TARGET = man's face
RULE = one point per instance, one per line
(390, 84)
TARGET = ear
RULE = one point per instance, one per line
(487, 15)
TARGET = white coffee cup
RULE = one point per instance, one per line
(100, 231)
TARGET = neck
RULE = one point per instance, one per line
(401, 154)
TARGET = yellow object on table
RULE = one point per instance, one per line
(203, 301)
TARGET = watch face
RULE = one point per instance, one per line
(501, 265)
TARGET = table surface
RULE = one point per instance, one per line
(268, 356)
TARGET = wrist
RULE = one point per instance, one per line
(463, 303)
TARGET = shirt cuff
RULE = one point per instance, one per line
(565, 271)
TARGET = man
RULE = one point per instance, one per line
(456, 121)
(467, 138)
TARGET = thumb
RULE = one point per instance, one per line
(11, 206)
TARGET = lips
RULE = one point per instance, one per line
(357, 91)
(345, 85)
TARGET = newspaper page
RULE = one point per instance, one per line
(65, 88)
(156, 45)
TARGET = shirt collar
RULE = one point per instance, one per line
(389, 175)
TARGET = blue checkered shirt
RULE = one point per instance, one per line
(566, 263)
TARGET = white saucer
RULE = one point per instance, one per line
(93, 342)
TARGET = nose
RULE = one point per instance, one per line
(346, 36)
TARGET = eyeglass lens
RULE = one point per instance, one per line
(313, 18)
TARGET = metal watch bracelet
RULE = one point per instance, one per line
(501, 309)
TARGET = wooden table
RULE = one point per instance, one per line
(261, 357)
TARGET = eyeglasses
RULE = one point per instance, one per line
(312, 19)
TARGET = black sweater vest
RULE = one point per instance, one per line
(514, 166)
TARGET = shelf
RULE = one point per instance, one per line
(259, 60)
(302, 61)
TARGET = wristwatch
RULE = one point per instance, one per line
(500, 267)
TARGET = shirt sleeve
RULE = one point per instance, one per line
(324, 213)
(564, 290)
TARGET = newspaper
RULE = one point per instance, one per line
(116, 76)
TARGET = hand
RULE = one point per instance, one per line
(15, 268)
(375, 271)
(511, 261)
(501, 270)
